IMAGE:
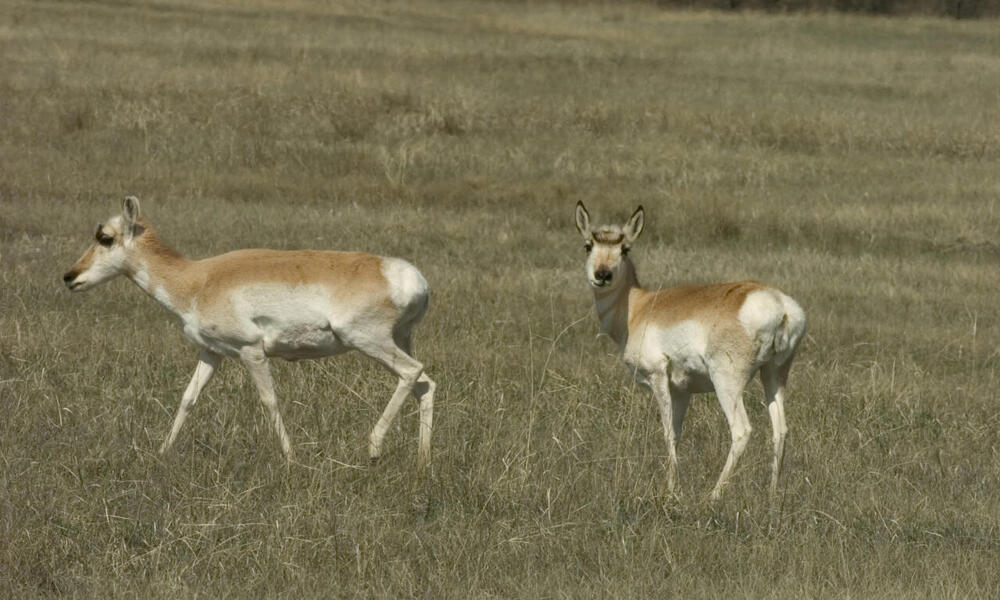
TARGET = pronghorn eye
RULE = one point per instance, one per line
(104, 240)
(625, 250)
(588, 246)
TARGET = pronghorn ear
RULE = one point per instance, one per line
(634, 226)
(130, 212)
(582, 220)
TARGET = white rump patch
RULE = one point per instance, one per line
(762, 312)
(774, 322)
(406, 285)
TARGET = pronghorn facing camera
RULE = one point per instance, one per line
(257, 304)
(694, 338)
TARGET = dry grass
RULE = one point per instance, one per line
(852, 162)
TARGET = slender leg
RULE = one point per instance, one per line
(424, 393)
(774, 379)
(412, 380)
(208, 363)
(403, 336)
(260, 372)
(404, 339)
(679, 401)
(661, 391)
(729, 389)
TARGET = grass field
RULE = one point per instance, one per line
(850, 161)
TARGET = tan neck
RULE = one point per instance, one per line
(613, 305)
(160, 271)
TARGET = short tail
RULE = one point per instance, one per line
(790, 332)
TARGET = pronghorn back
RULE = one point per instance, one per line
(347, 275)
(687, 301)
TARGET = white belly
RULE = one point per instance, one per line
(293, 343)
(272, 318)
(292, 328)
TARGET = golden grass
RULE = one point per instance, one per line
(850, 161)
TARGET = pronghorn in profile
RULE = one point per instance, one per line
(257, 304)
(694, 338)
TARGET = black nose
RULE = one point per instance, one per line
(602, 275)
(68, 277)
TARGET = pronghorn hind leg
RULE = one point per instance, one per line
(679, 401)
(404, 339)
(729, 389)
(774, 378)
(412, 380)
(423, 391)
(208, 364)
(257, 365)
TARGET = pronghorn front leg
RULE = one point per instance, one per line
(260, 372)
(729, 390)
(660, 384)
(208, 363)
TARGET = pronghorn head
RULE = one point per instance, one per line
(607, 247)
(108, 256)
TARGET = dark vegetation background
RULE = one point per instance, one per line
(850, 160)
(957, 9)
